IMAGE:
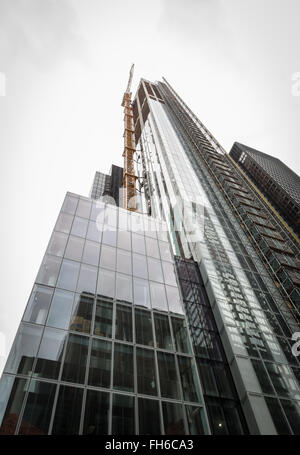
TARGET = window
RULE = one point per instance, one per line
(123, 367)
(143, 327)
(173, 418)
(68, 411)
(49, 270)
(64, 223)
(168, 377)
(154, 269)
(124, 240)
(123, 415)
(169, 273)
(100, 363)
(12, 393)
(108, 257)
(83, 208)
(174, 301)
(152, 247)
(68, 275)
(97, 213)
(123, 323)
(57, 244)
(74, 248)
(158, 296)
(124, 262)
(149, 416)
(91, 253)
(93, 232)
(103, 318)
(75, 359)
(292, 411)
(196, 420)
(96, 413)
(124, 288)
(164, 249)
(50, 354)
(138, 243)
(140, 266)
(181, 336)
(79, 227)
(141, 292)
(146, 377)
(38, 305)
(70, 204)
(87, 279)
(109, 236)
(60, 310)
(82, 313)
(162, 332)
(106, 283)
(189, 380)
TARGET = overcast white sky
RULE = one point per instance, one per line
(66, 65)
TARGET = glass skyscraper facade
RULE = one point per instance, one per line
(175, 319)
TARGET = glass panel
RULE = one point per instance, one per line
(68, 275)
(82, 313)
(12, 393)
(181, 336)
(232, 416)
(164, 249)
(108, 257)
(111, 215)
(143, 327)
(93, 232)
(38, 409)
(189, 380)
(24, 349)
(162, 332)
(196, 420)
(91, 253)
(123, 323)
(173, 418)
(152, 247)
(146, 377)
(75, 359)
(217, 419)
(124, 288)
(158, 296)
(208, 380)
(224, 381)
(149, 416)
(74, 248)
(70, 204)
(64, 223)
(123, 367)
(278, 379)
(109, 236)
(124, 262)
(123, 415)
(103, 318)
(138, 243)
(100, 363)
(57, 244)
(60, 311)
(96, 413)
(106, 283)
(174, 301)
(50, 354)
(169, 383)
(49, 270)
(155, 270)
(38, 305)
(87, 279)
(169, 273)
(141, 292)
(278, 417)
(124, 240)
(83, 208)
(139, 266)
(97, 213)
(292, 411)
(79, 226)
(262, 376)
(68, 410)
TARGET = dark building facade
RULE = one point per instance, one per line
(277, 181)
(109, 185)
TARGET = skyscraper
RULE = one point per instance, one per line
(173, 319)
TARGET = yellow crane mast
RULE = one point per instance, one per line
(129, 177)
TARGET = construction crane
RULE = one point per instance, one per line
(129, 177)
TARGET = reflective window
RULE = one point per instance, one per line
(162, 332)
(108, 257)
(50, 354)
(83, 208)
(38, 409)
(138, 243)
(152, 247)
(169, 273)
(124, 288)
(141, 292)
(49, 270)
(149, 416)
(292, 411)
(123, 367)
(106, 283)
(68, 410)
(93, 232)
(217, 419)
(57, 244)
(70, 204)
(140, 266)
(97, 213)
(124, 220)
(124, 240)
(60, 310)
(278, 417)
(173, 418)
(278, 378)
(233, 418)
(96, 413)
(181, 336)
(103, 318)
(87, 279)
(155, 270)
(111, 215)
(109, 236)
(74, 248)
(146, 377)
(174, 300)
(38, 305)
(75, 359)
(143, 327)
(262, 376)
(189, 380)
(169, 382)
(79, 226)
(24, 349)
(124, 262)
(208, 380)
(82, 313)
(196, 420)
(165, 252)
(158, 296)
(68, 275)
(91, 253)
(12, 393)
(123, 415)
(123, 323)
(100, 363)
(64, 223)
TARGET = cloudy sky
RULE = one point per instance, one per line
(65, 65)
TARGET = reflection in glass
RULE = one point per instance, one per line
(100, 363)
(123, 323)
(124, 262)
(141, 292)
(57, 244)
(38, 305)
(109, 236)
(38, 409)
(292, 411)
(173, 418)
(64, 223)
(146, 377)
(49, 270)
(83, 208)
(174, 300)
(196, 420)
(169, 273)
(124, 240)
(155, 270)
(158, 296)
(82, 313)
(217, 419)
(103, 318)
(149, 416)
(68, 275)
(123, 367)
(169, 382)
(162, 332)
(94, 233)
(74, 248)
(75, 359)
(79, 227)
(106, 283)
(181, 336)
(50, 354)
(123, 415)
(60, 310)
(143, 327)
(189, 380)
(70, 204)
(138, 243)
(124, 288)
(91, 253)
(12, 392)
(96, 413)
(139, 267)
(87, 279)
(68, 410)
(152, 247)
(108, 257)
